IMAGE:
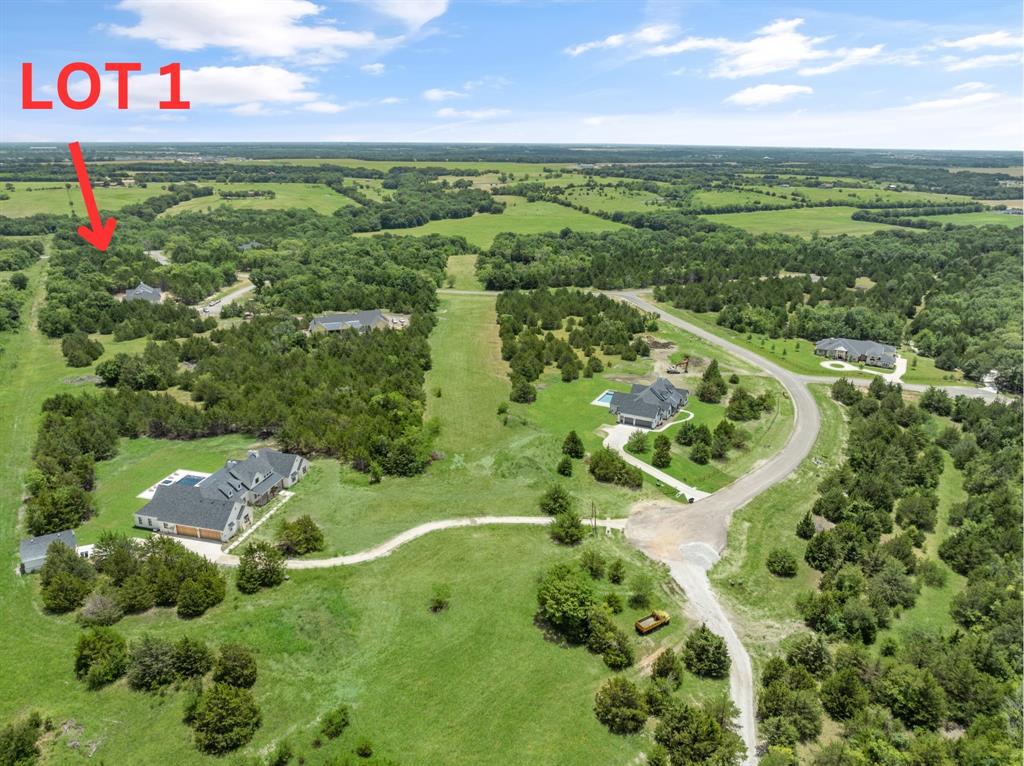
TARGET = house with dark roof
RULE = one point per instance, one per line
(648, 406)
(33, 550)
(143, 292)
(362, 321)
(848, 350)
(221, 504)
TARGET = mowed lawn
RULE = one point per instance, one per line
(461, 271)
(54, 198)
(802, 222)
(520, 217)
(299, 195)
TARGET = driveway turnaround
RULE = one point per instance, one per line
(616, 439)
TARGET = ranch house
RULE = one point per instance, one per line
(220, 505)
(648, 406)
(866, 351)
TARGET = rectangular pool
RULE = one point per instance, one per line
(604, 399)
(191, 480)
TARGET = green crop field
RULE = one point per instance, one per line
(54, 198)
(316, 196)
(802, 222)
(520, 216)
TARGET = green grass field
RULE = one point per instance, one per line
(802, 222)
(866, 197)
(316, 196)
(978, 219)
(52, 197)
(611, 199)
(519, 169)
(751, 196)
(461, 271)
(520, 216)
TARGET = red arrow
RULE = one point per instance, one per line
(98, 233)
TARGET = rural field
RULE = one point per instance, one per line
(800, 222)
(291, 195)
(520, 217)
(31, 198)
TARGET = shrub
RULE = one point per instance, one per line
(150, 663)
(18, 741)
(608, 466)
(705, 654)
(80, 350)
(932, 573)
(225, 718)
(564, 467)
(616, 571)
(567, 528)
(555, 500)
(700, 453)
(335, 722)
(781, 563)
(364, 749)
(668, 667)
(299, 537)
(805, 528)
(192, 657)
(592, 561)
(573, 445)
(136, 594)
(100, 657)
(608, 640)
(235, 666)
(619, 705)
(260, 566)
(662, 452)
(198, 594)
(566, 600)
(440, 598)
(637, 442)
(641, 590)
(614, 602)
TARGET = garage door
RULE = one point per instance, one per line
(209, 534)
(188, 531)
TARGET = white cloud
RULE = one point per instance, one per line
(967, 87)
(255, 109)
(1000, 39)
(759, 95)
(470, 114)
(413, 13)
(648, 35)
(323, 107)
(388, 100)
(374, 69)
(953, 103)
(440, 94)
(953, 64)
(246, 88)
(849, 57)
(265, 29)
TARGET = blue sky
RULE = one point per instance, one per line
(927, 75)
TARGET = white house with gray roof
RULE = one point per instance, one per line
(33, 550)
(648, 406)
(362, 321)
(143, 292)
(218, 506)
(848, 350)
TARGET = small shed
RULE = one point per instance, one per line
(33, 550)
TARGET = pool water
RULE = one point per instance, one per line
(190, 480)
(605, 398)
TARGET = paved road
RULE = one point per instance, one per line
(231, 297)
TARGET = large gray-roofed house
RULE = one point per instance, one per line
(354, 320)
(849, 350)
(143, 292)
(648, 406)
(33, 550)
(220, 505)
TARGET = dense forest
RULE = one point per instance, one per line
(953, 294)
(896, 694)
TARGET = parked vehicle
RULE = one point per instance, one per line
(652, 622)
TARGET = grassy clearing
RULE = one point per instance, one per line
(751, 196)
(866, 197)
(802, 222)
(520, 216)
(54, 198)
(978, 219)
(461, 272)
(765, 603)
(315, 196)
(519, 169)
(612, 199)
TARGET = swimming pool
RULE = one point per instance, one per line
(604, 399)
(190, 480)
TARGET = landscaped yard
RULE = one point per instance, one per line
(520, 216)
